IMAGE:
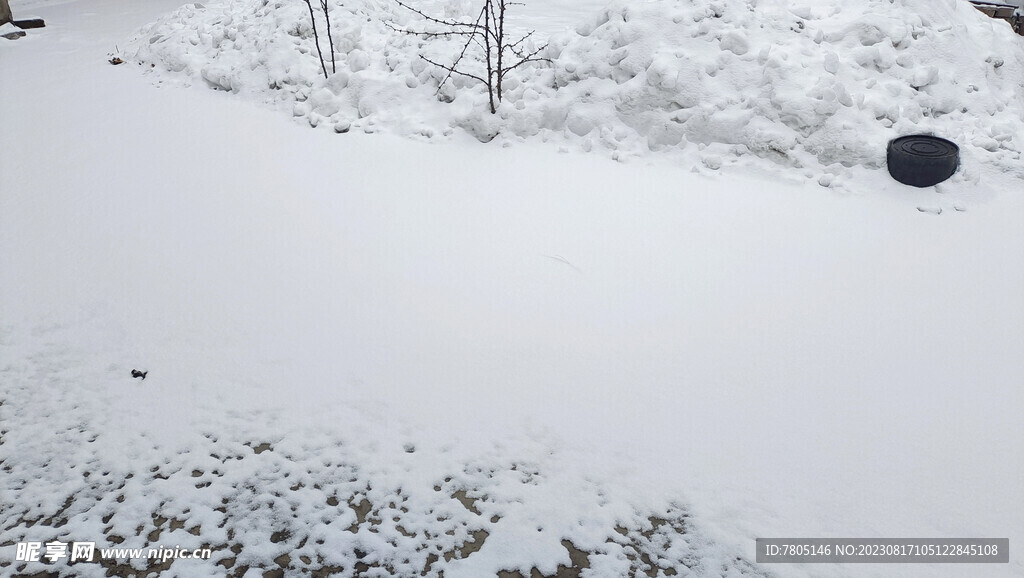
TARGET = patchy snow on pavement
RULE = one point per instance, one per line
(368, 356)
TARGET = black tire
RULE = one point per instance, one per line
(27, 24)
(922, 160)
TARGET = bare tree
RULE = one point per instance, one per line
(487, 32)
(330, 39)
(316, 36)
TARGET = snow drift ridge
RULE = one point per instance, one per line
(820, 86)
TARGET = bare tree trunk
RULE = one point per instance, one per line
(316, 37)
(501, 43)
(488, 27)
(5, 12)
(330, 39)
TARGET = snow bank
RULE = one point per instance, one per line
(821, 85)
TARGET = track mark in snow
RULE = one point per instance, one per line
(564, 261)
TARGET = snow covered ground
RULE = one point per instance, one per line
(370, 354)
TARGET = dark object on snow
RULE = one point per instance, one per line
(31, 23)
(137, 373)
(922, 160)
(115, 61)
(13, 35)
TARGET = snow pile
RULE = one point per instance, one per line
(822, 85)
(805, 83)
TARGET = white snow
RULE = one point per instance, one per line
(818, 86)
(550, 348)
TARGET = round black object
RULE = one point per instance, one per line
(922, 160)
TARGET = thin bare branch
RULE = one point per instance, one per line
(525, 58)
(429, 18)
(430, 34)
(531, 55)
(521, 40)
(451, 70)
